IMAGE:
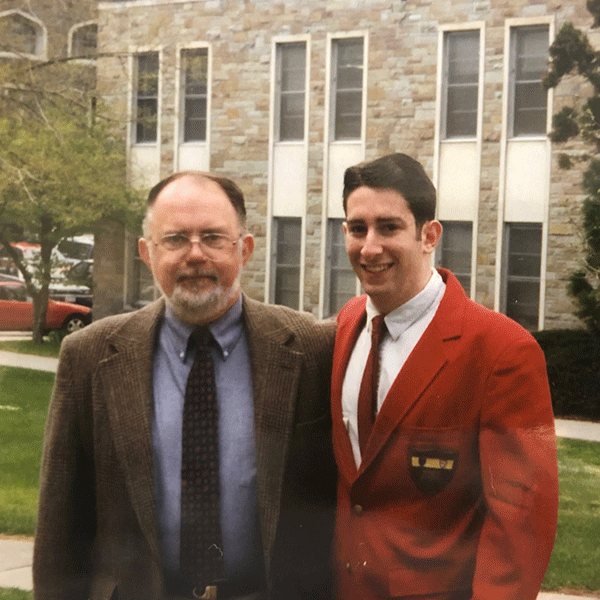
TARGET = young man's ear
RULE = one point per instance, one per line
(430, 235)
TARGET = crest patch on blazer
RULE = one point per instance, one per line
(431, 469)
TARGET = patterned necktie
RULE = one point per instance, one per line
(201, 556)
(367, 397)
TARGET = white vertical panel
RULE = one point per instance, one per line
(144, 162)
(458, 184)
(341, 156)
(193, 157)
(527, 181)
(289, 179)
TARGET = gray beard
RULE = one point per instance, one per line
(193, 307)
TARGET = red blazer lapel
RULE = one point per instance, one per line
(420, 369)
(350, 323)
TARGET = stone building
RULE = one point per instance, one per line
(283, 95)
(42, 30)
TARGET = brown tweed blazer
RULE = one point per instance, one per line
(97, 534)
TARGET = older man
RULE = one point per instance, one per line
(187, 450)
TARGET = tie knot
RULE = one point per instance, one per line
(200, 337)
(378, 326)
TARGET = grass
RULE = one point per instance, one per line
(14, 594)
(50, 347)
(576, 555)
(24, 396)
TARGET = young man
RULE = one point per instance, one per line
(444, 435)
(134, 503)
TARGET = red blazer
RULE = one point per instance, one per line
(457, 493)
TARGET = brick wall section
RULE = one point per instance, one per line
(402, 66)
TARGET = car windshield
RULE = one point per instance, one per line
(16, 292)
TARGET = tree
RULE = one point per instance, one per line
(61, 169)
(572, 53)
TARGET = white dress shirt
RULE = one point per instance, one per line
(405, 326)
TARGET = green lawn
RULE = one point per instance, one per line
(576, 555)
(50, 347)
(14, 594)
(24, 396)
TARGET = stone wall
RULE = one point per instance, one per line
(58, 16)
(401, 104)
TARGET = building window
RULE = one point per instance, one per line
(291, 93)
(146, 103)
(340, 277)
(529, 62)
(454, 251)
(19, 34)
(522, 268)
(84, 40)
(195, 89)
(461, 83)
(144, 287)
(286, 261)
(347, 88)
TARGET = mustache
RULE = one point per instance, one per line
(194, 273)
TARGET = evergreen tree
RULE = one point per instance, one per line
(572, 53)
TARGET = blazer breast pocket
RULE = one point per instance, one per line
(431, 469)
(433, 457)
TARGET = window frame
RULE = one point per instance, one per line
(336, 90)
(508, 278)
(448, 36)
(184, 95)
(71, 41)
(515, 39)
(147, 97)
(281, 94)
(331, 271)
(441, 256)
(39, 29)
(277, 266)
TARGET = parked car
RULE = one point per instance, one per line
(16, 311)
(78, 247)
(75, 294)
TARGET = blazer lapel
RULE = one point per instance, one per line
(126, 376)
(346, 336)
(424, 363)
(275, 375)
(420, 369)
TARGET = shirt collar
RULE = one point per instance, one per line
(401, 318)
(227, 330)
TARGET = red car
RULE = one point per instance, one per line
(16, 311)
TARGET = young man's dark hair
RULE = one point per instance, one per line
(397, 172)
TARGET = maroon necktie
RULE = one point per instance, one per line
(367, 397)
(201, 556)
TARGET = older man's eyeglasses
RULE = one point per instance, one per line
(215, 246)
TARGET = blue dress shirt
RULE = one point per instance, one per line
(239, 500)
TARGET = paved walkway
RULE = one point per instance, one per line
(27, 361)
(15, 555)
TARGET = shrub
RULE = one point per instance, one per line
(573, 362)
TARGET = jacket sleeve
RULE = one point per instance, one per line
(62, 560)
(519, 475)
